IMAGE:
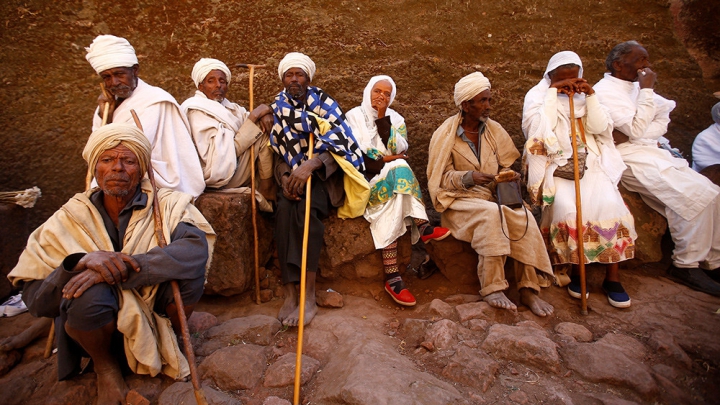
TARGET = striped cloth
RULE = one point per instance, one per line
(320, 115)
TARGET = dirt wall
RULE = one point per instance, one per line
(48, 90)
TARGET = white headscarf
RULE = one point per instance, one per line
(108, 51)
(716, 113)
(298, 60)
(110, 136)
(207, 65)
(362, 119)
(470, 86)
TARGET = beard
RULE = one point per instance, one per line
(123, 90)
(296, 91)
(118, 190)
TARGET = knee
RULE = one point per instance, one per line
(95, 308)
(191, 290)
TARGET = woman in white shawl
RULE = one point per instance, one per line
(608, 226)
(395, 200)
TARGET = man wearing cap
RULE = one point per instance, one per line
(224, 132)
(96, 268)
(688, 200)
(466, 154)
(174, 158)
(301, 111)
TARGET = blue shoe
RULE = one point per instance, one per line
(616, 294)
(574, 288)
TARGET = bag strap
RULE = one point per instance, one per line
(527, 223)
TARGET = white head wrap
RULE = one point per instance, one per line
(470, 86)
(205, 66)
(367, 101)
(108, 51)
(110, 136)
(716, 113)
(298, 60)
(563, 58)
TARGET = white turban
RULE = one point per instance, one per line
(108, 51)
(470, 86)
(110, 136)
(297, 60)
(205, 66)
(563, 58)
(716, 113)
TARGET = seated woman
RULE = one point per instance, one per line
(395, 199)
(608, 226)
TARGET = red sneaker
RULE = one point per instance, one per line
(404, 298)
(438, 233)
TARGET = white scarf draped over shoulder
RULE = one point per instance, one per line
(150, 343)
(362, 121)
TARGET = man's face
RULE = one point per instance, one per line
(215, 85)
(478, 107)
(627, 67)
(296, 82)
(120, 81)
(118, 172)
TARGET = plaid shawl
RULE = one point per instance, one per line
(294, 119)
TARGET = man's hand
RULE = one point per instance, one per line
(111, 266)
(294, 184)
(266, 123)
(619, 137)
(482, 179)
(80, 283)
(584, 87)
(646, 78)
(390, 158)
(103, 99)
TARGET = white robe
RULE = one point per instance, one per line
(706, 148)
(213, 127)
(687, 199)
(174, 157)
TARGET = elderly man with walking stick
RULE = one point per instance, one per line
(302, 111)
(227, 135)
(99, 269)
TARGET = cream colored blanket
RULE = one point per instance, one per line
(150, 343)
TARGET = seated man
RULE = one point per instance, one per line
(666, 183)
(302, 111)
(174, 158)
(706, 147)
(95, 266)
(465, 155)
(224, 132)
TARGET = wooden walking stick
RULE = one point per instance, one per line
(199, 394)
(303, 273)
(578, 208)
(252, 186)
(51, 335)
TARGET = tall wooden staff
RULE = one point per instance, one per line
(578, 208)
(199, 394)
(303, 273)
(252, 187)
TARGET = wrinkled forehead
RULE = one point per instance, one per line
(119, 150)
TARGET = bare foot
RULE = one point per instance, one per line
(535, 303)
(291, 302)
(111, 388)
(499, 300)
(311, 310)
(39, 327)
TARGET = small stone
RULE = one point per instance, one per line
(329, 299)
(477, 325)
(440, 309)
(134, 398)
(429, 346)
(282, 372)
(279, 291)
(266, 295)
(201, 321)
(519, 397)
(513, 371)
(443, 334)
(579, 332)
(275, 401)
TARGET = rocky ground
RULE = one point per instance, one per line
(450, 349)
